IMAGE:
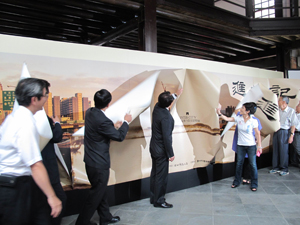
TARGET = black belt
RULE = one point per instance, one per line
(296, 132)
(11, 181)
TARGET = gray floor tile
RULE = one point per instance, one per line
(262, 210)
(201, 188)
(162, 216)
(189, 219)
(231, 220)
(133, 217)
(268, 221)
(280, 189)
(293, 221)
(226, 198)
(233, 209)
(288, 211)
(261, 199)
(293, 200)
(198, 198)
(277, 201)
(291, 176)
(224, 188)
(293, 185)
(196, 208)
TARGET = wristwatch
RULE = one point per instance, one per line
(292, 134)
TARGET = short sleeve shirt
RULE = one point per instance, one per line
(287, 118)
(19, 143)
(245, 130)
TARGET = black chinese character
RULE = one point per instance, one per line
(239, 88)
(280, 92)
(269, 108)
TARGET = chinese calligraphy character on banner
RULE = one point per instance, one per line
(281, 92)
(238, 88)
(269, 108)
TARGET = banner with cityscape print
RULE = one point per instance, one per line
(135, 88)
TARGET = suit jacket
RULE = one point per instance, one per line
(48, 153)
(99, 130)
(162, 127)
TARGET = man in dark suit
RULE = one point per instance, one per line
(161, 148)
(42, 210)
(99, 130)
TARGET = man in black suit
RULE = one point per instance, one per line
(42, 210)
(99, 130)
(161, 148)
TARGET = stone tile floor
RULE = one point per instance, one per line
(276, 202)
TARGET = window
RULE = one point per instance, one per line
(264, 9)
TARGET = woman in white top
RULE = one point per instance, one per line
(246, 142)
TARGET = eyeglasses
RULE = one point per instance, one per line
(46, 95)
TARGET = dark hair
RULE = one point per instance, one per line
(250, 106)
(30, 87)
(102, 98)
(165, 99)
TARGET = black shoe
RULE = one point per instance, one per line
(164, 205)
(114, 219)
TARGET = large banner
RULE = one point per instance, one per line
(135, 80)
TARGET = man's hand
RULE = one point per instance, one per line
(56, 119)
(118, 124)
(291, 138)
(55, 205)
(172, 159)
(179, 92)
(128, 117)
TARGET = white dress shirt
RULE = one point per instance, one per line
(287, 118)
(19, 143)
(298, 117)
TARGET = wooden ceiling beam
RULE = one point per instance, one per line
(187, 37)
(209, 34)
(117, 33)
(275, 26)
(254, 56)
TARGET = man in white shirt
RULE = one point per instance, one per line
(20, 157)
(283, 137)
(296, 142)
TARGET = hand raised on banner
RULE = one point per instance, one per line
(118, 124)
(179, 91)
(128, 117)
(55, 119)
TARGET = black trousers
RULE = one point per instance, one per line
(159, 179)
(41, 209)
(296, 148)
(15, 202)
(52, 169)
(60, 193)
(97, 198)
